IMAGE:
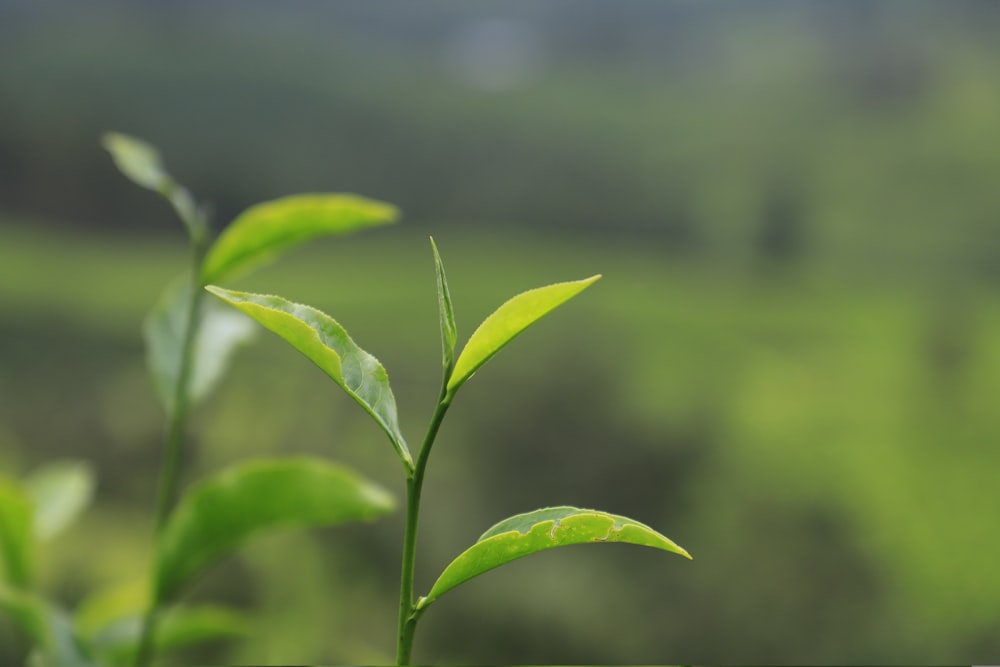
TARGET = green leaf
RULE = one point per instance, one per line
(28, 611)
(263, 231)
(99, 610)
(60, 491)
(56, 644)
(507, 322)
(180, 626)
(320, 338)
(141, 164)
(16, 534)
(220, 332)
(543, 529)
(449, 333)
(220, 513)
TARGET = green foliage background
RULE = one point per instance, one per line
(790, 366)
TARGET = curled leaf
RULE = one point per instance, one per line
(508, 321)
(446, 313)
(542, 529)
(263, 231)
(218, 514)
(321, 338)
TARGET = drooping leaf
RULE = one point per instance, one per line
(507, 322)
(142, 164)
(449, 333)
(180, 626)
(543, 529)
(220, 332)
(60, 491)
(320, 338)
(17, 543)
(263, 231)
(220, 513)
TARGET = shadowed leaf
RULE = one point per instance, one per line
(220, 513)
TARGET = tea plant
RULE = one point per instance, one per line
(189, 341)
(321, 339)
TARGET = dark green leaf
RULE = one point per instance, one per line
(449, 333)
(543, 529)
(263, 231)
(28, 611)
(221, 330)
(141, 164)
(507, 322)
(16, 534)
(220, 513)
(320, 338)
(60, 491)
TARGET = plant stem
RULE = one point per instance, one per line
(170, 477)
(414, 485)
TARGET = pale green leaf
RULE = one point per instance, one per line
(263, 231)
(17, 543)
(543, 529)
(449, 333)
(220, 332)
(220, 513)
(60, 491)
(142, 164)
(320, 338)
(507, 322)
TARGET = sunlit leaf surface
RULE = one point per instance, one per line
(320, 338)
(508, 321)
(529, 533)
(264, 231)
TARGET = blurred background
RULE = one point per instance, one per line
(791, 366)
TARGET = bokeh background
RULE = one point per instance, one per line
(791, 366)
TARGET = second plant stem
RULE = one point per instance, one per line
(408, 615)
(170, 471)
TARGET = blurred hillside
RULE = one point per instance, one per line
(790, 366)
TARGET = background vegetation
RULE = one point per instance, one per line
(791, 366)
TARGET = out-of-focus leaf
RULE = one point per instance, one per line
(141, 164)
(262, 232)
(449, 333)
(220, 332)
(17, 542)
(220, 513)
(179, 626)
(60, 491)
(28, 611)
(105, 607)
(320, 338)
(543, 529)
(56, 643)
(507, 322)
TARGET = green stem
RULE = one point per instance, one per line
(170, 477)
(414, 484)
